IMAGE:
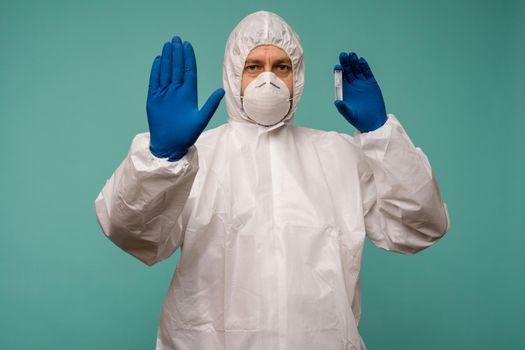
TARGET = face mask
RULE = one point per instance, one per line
(266, 99)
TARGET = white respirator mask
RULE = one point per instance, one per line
(266, 100)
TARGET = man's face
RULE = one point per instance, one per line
(267, 58)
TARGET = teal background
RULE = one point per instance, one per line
(73, 80)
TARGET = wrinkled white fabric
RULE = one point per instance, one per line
(271, 221)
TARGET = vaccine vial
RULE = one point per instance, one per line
(338, 84)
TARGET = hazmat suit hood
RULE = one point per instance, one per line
(256, 29)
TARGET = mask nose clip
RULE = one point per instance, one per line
(268, 82)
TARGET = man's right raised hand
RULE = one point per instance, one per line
(175, 121)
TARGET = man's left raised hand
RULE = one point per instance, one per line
(362, 104)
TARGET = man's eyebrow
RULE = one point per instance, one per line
(254, 60)
(283, 60)
(261, 62)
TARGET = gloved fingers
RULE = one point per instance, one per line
(177, 72)
(165, 65)
(343, 108)
(154, 75)
(190, 69)
(354, 63)
(211, 105)
(347, 70)
(365, 68)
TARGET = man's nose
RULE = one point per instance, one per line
(268, 67)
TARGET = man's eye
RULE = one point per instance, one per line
(251, 68)
(283, 68)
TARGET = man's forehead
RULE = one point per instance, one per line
(264, 52)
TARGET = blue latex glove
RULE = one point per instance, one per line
(175, 121)
(362, 105)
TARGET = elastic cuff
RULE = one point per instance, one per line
(389, 122)
(143, 158)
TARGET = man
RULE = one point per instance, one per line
(270, 218)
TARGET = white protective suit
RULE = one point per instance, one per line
(271, 221)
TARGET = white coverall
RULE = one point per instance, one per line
(271, 221)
